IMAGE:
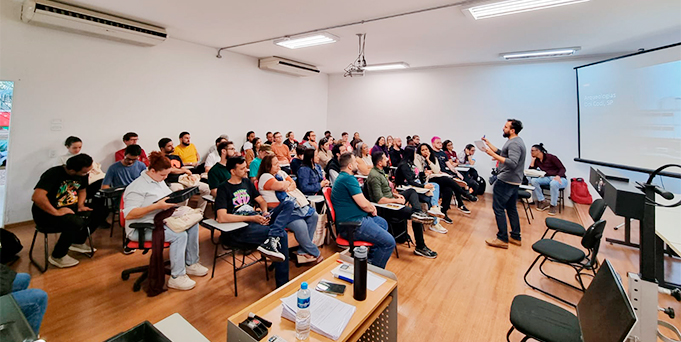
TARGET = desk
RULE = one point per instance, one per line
(667, 222)
(392, 206)
(377, 315)
(222, 227)
(527, 187)
(177, 329)
(315, 198)
(361, 176)
(462, 168)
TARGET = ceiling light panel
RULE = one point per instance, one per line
(496, 9)
(562, 52)
(297, 42)
(386, 66)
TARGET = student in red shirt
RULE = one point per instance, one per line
(131, 138)
(554, 178)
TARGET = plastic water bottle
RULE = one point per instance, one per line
(303, 314)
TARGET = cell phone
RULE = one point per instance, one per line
(328, 287)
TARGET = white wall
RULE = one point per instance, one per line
(101, 89)
(463, 104)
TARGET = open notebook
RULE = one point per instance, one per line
(329, 316)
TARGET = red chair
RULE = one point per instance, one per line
(145, 247)
(334, 226)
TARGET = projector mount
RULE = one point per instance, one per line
(356, 69)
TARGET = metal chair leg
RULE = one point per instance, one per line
(508, 335)
(30, 254)
(92, 247)
(540, 290)
(236, 294)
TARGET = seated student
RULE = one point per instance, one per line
(355, 140)
(408, 175)
(213, 156)
(99, 212)
(219, 174)
(466, 158)
(131, 138)
(280, 150)
(425, 160)
(416, 139)
(249, 155)
(143, 199)
(364, 163)
(332, 169)
(269, 138)
(248, 145)
(310, 175)
(395, 152)
(344, 140)
(449, 167)
(298, 160)
(214, 148)
(237, 200)
(389, 143)
(291, 141)
(58, 196)
(255, 164)
(324, 151)
(32, 302)
(379, 146)
(410, 141)
(177, 168)
(310, 140)
(448, 148)
(351, 206)
(273, 185)
(327, 134)
(379, 188)
(125, 171)
(187, 151)
(554, 178)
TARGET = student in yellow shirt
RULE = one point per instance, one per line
(186, 150)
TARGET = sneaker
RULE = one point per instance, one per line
(553, 210)
(497, 243)
(515, 242)
(426, 252)
(182, 282)
(435, 211)
(270, 248)
(447, 220)
(63, 262)
(196, 270)
(82, 248)
(542, 205)
(421, 217)
(463, 209)
(438, 228)
(128, 251)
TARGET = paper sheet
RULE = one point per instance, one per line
(374, 281)
(329, 316)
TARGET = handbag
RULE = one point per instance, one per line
(183, 218)
(320, 232)
(579, 191)
(189, 180)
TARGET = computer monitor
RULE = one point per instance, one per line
(605, 313)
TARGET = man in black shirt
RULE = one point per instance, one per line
(395, 152)
(59, 206)
(237, 200)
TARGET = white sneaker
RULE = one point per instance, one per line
(197, 270)
(435, 211)
(438, 228)
(82, 248)
(63, 262)
(181, 283)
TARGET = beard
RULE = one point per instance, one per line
(506, 135)
(185, 144)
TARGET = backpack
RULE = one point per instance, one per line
(10, 246)
(579, 191)
(482, 186)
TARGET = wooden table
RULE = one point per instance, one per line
(376, 315)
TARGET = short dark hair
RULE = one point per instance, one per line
(268, 133)
(344, 159)
(344, 133)
(336, 149)
(79, 162)
(329, 132)
(377, 157)
(516, 125)
(133, 150)
(249, 133)
(219, 139)
(222, 146)
(541, 148)
(129, 136)
(469, 146)
(234, 161)
(300, 149)
(163, 142)
(70, 140)
(183, 134)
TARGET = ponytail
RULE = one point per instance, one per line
(541, 148)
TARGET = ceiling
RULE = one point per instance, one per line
(440, 37)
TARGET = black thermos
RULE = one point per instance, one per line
(360, 280)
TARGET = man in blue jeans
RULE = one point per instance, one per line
(33, 302)
(236, 201)
(511, 160)
(351, 206)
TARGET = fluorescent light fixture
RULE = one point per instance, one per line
(318, 38)
(496, 9)
(386, 66)
(541, 53)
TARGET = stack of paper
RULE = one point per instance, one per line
(534, 173)
(329, 316)
(373, 281)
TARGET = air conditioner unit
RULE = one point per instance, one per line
(89, 22)
(287, 66)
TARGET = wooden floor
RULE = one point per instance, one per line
(463, 295)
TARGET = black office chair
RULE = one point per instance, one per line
(563, 253)
(524, 196)
(596, 211)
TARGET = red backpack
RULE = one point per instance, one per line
(579, 191)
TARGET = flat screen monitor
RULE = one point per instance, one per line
(605, 312)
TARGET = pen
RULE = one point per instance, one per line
(343, 278)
